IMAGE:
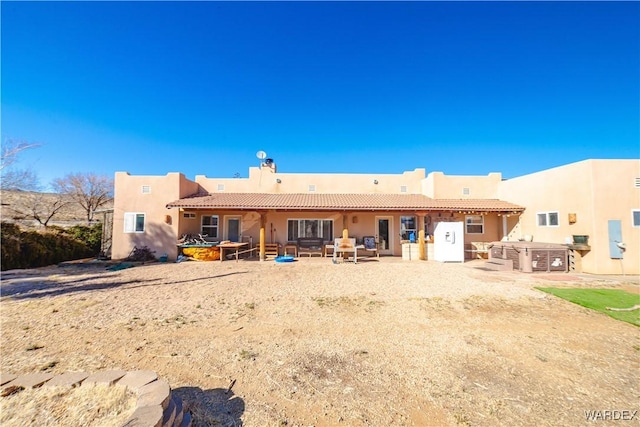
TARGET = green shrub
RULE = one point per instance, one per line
(29, 249)
(89, 235)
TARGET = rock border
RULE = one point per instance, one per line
(156, 406)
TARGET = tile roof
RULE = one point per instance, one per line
(343, 202)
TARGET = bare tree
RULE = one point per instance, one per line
(10, 150)
(20, 179)
(41, 207)
(89, 190)
(11, 178)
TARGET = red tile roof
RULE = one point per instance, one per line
(340, 202)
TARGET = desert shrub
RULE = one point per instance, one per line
(141, 254)
(89, 235)
(29, 249)
(10, 245)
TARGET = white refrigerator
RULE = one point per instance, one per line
(448, 242)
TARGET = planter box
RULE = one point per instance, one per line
(581, 239)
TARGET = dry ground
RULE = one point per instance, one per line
(312, 343)
(99, 406)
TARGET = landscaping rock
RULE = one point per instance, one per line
(31, 380)
(134, 380)
(106, 377)
(147, 416)
(68, 379)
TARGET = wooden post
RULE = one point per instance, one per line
(263, 223)
(345, 230)
(421, 250)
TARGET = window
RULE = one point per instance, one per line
(210, 226)
(465, 191)
(403, 188)
(408, 226)
(189, 215)
(635, 217)
(220, 187)
(133, 222)
(312, 188)
(309, 228)
(548, 219)
(146, 189)
(474, 224)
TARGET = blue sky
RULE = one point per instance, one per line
(363, 87)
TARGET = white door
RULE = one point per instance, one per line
(448, 242)
(384, 234)
(232, 230)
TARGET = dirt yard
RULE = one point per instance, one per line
(311, 343)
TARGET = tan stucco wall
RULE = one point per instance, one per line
(263, 180)
(614, 197)
(161, 236)
(161, 224)
(596, 191)
(440, 186)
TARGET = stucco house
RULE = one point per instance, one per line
(271, 206)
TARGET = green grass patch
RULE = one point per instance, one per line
(600, 299)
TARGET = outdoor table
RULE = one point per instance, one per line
(232, 246)
(353, 249)
(293, 247)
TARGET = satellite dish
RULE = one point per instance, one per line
(261, 155)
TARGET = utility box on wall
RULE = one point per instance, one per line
(616, 246)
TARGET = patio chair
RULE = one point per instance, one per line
(370, 245)
(344, 247)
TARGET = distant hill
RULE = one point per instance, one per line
(16, 206)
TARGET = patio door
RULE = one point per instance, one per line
(232, 229)
(384, 234)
